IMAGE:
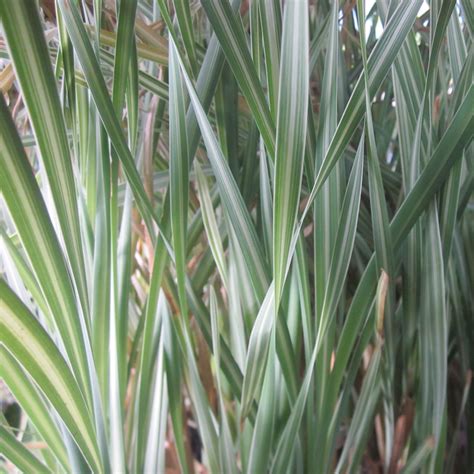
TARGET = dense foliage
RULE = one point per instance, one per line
(236, 236)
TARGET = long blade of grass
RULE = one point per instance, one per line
(30, 400)
(185, 23)
(257, 352)
(457, 136)
(148, 351)
(231, 197)
(363, 415)
(210, 224)
(28, 342)
(19, 454)
(327, 208)
(270, 18)
(378, 65)
(123, 64)
(232, 39)
(173, 368)
(263, 432)
(226, 448)
(418, 459)
(205, 87)
(291, 135)
(100, 304)
(343, 245)
(98, 88)
(30, 56)
(339, 263)
(434, 336)
(458, 55)
(26, 274)
(204, 416)
(382, 242)
(179, 170)
(155, 449)
(28, 210)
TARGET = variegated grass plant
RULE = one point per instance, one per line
(237, 236)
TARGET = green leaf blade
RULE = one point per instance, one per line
(291, 136)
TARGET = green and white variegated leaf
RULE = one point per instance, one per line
(179, 171)
(417, 460)
(124, 90)
(173, 372)
(451, 191)
(34, 227)
(384, 256)
(27, 395)
(342, 251)
(266, 174)
(98, 88)
(100, 294)
(231, 198)
(344, 243)
(152, 329)
(15, 451)
(28, 342)
(204, 416)
(270, 17)
(238, 340)
(232, 39)
(468, 10)
(362, 420)
(113, 79)
(28, 50)
(433, 335)
(327, 208)
(155, 449)
(378, 65)
(327, 203)
(291, 135)
(185, 23)
(10, 251)
(379, 214)
(257, 352)
(263, 432)
(227, 457)
(210, 223)
(435, 173)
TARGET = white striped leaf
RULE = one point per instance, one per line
(179, 171)
(28, 342)
(291, 135)
(19, 454)
(27, 395)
